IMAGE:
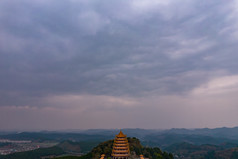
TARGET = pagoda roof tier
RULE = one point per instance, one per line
(121, 134)
(120, 145)
(120, 151)
(120, 155)
(121, 148)
(121, 139)
(121, 142)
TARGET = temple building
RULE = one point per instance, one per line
(102, 156)
(120, 147)
(142, 157)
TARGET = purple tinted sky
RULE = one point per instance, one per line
(76, 64)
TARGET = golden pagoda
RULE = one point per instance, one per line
(120, 147)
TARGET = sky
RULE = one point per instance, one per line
(76, 64)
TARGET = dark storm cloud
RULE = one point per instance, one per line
(129, 48)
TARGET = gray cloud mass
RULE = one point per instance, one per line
(63, 54)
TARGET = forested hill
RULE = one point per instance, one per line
(69, 147)
(136, 149)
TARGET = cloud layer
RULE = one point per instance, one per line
(104, 58)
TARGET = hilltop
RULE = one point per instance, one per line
(136, 149)
(71, 148)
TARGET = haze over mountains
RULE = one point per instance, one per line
(151, 137)
(183, 143)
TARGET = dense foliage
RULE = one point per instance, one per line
(135, 147)
(51, 136)
(35, 154)
(206, 151)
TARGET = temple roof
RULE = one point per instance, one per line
(121, 134)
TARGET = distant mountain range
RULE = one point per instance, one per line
(150, 137)
(181, 142)
(230, 133)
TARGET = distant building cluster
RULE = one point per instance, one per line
(12, 146)
(14, 141)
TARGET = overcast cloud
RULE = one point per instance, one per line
(114, 64)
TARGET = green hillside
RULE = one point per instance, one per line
(65, 147)
(135, 147)
(35, 154)
(206, 151)
(165, 140)
(69, 147)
